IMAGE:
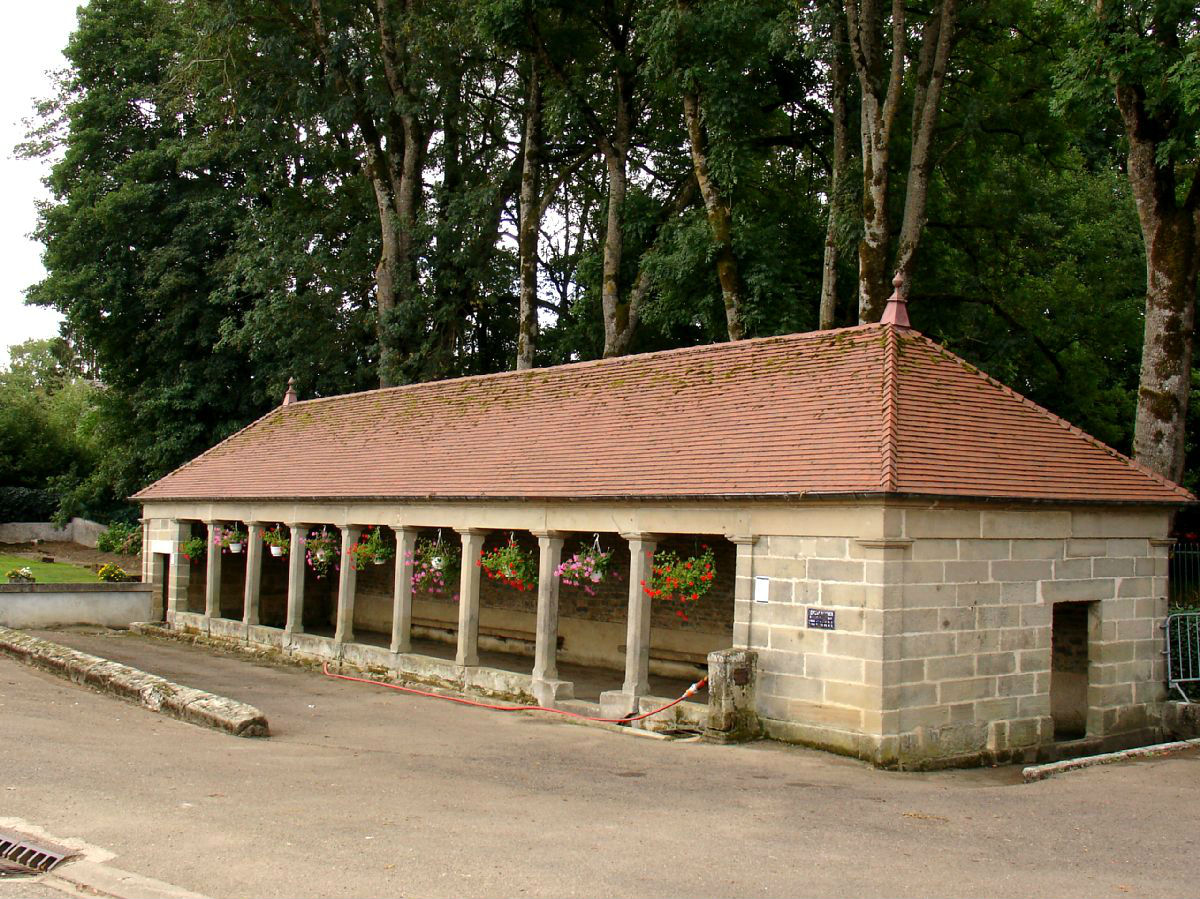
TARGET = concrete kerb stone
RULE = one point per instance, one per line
(1041, 772)
(148, 690)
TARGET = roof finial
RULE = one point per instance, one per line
(290, 396)
(896, 311)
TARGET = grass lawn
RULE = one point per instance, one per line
(48, 573)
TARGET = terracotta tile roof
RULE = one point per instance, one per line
(867, 410)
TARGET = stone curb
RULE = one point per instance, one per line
(1041, 772)
(104, 880)
(148, 690)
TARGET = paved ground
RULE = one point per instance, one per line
(364, 791)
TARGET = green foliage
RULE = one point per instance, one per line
(26, 504)
(125, 539)
(113, 574)
(212, 230)
(194, 548)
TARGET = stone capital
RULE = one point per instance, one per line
(552, 535)
(473, 532)
(640, 535)
(742, 539)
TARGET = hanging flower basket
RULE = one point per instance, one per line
(321, 552)
(512, 565)
(194, 548)
(230, 540)
(681, 580)
(278, 540)
(370, 549)
(589, 567)
(434, 565)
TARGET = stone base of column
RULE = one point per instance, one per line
(617, 704)
(550, 692)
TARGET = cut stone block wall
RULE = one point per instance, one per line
(820, 687)
(975, 607)
(942, 643)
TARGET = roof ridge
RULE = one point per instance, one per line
(719, 346)
(1057, 419)
(888, 478)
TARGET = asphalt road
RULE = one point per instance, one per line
(363, 791)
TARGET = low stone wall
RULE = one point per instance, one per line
(80, 531)
(149, 690)
(1181, 720)
(56, 605)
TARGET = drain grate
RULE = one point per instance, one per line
(21, 857)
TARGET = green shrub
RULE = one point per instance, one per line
(26, 504)
(125, 539)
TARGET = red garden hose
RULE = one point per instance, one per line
(690, 691)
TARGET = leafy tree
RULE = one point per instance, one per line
(1144, 55)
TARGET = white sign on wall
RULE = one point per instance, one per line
(162, 546)
(762, 587)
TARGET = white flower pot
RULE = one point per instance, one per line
(438, 563)
(379, 561)
(321, 555)
(235, 548)
(277, 551)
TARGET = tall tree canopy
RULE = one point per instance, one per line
(364, 193)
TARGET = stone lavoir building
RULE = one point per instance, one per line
(930, 568)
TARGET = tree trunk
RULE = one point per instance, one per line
(1171, 233)
(618, 332)
(720, 218)
(388, 273)
(1165, 382)
(840, 104)
(936, 42)
(530, 222)
(864, 21)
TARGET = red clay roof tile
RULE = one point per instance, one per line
(875, 409)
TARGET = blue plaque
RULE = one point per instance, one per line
(822, 619)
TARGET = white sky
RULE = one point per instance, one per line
(34, 37)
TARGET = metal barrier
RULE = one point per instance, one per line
(1183, 654)
(1183, 574)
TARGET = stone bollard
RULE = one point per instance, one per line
(732, 675)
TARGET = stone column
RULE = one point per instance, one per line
(254, 553)
(147, 555)
(295, 599)
(637, 636)
(617, 703)
(180, 574)
(743, 589)
(546, 686)
(468, 597)
(406, 544)
(212, 588)
(347, 581)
